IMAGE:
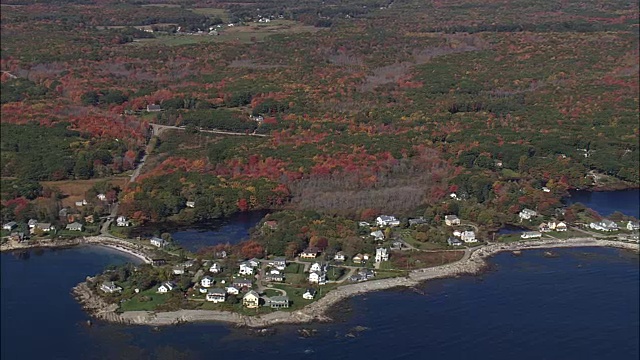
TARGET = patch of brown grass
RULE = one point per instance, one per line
(75, 190)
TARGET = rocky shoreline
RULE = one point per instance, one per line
(473, 262)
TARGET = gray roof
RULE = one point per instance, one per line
(217, 291)
(279, 299)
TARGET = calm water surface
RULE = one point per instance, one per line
(581, 305)
(607, 202)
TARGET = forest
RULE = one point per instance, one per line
(366, 106)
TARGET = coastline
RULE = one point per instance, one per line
(473, 262)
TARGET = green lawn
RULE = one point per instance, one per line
(136, 303)
(294, 268)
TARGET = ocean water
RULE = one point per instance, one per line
(582, 304)
(607, 202)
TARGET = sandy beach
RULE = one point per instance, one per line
(473, 262)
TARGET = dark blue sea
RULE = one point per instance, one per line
(607, 202)
(580, 305)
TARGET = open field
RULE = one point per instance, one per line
(75, 190)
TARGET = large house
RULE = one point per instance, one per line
(339, 256)
(166, 287)
(382, 254)
(75, 226)
(279, 263)
(309, 294)
(451, 220)
(317, 267)
(216, 295)
(633, 225)
(318, 277)
(110, 287)
(232, 290)
(527, 214)
(215, 268)
(9, 226)
(158, 242)
(245, 269)
(251, 300)
(44, 227)
(242, 283)
(122, 221)
(191, 204)
(453, 241)
(378, 235)
(560, 226)
(531, 235)
(417, 221)
(309, 253)
(604, 225)
(387, 220)
(468, 237)
(207, 281)
(279, 302)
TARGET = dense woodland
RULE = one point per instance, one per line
(370, 106)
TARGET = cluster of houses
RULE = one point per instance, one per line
(609, 226)
(318, 273)
(362, 275)
(553, 226)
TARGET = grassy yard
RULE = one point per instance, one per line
(294, 268)
(145, 300)
(75, 190)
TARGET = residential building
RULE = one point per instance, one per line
(207, 281)
(245, 269)
(110, 287)
(274, 277)
(527, 214)
(44, 227)
(387, 220)
(153, 108)
(309, 253)
(364, 224)
(122, 221)
(531, 235)
(339, 256)
(178, 270)
(9, 226)
(216, 295)
(166, 287)
(251, 300)
(102, 197)
(232, 290)
(279, 263)
(382, 255)
(468, 237)
(453, 241)
(271, 224)
(633, 225)
(357, 259)
(378, 235)
(366, 274)
(544, 227)
(417, 221)
(451, 220)
(317, 267)
(279, 302)
(242, 284)
(309, 294)
(75, 226)
(191, 204)
(215, 268)
(604, 225)
(561, 226)
(89, 219)
(365, 257)
(253, 262)
(32, 223)
(158, 242)
(318, 277)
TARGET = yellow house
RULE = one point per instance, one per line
(251, 300)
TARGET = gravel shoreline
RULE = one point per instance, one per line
(473, 262)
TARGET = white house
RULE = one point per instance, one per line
(75, 226)
(531, 235)
(166, 287)
(561, 226)
(454, 196)
(158, 242)
(364, 224)
(81, 203)
(318, 277)
(631, 225)
(191, 204)
(457, 233)
(178, 270)
(527, 214)
(254, 262)
(279, 263)
(365, 257)
(245, 269)
(9, 226)
(468, 237)
(546, 189)
(102, 197)
(207, 281)
(386, 220)
(232, 290)
(604, 225)
(382, 254)
(451, 220)
(316, 267)
(309, 253)
(216, 295)
(274, 272)
(339, 256)
(215, 268)
(122, 221)
(110, 287)
(309, 294)
(378, 235)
